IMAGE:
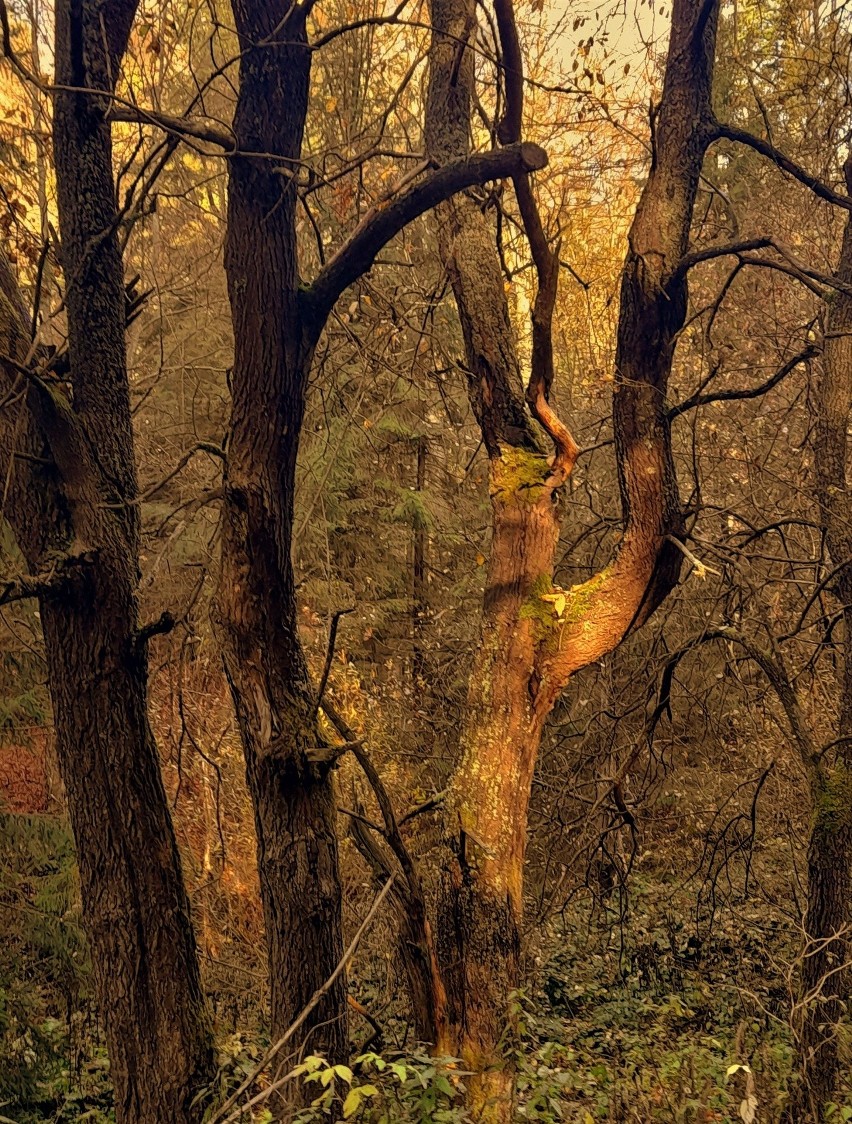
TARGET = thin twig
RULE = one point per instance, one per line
(329, 657)
(299, 1021)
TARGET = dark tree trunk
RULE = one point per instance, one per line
(824, 984)
(535, 637)
(419, 598)
(82, 527)
(276, 326)
(293, 799)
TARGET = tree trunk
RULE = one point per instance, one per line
(294, 804)
(80, 535)
(824, 984)
(277, 323)
(535, 636)
(419, 593)
(135, 906)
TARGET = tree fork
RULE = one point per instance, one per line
(528, 649)
(277, 321)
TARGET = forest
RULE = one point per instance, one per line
(425, 561)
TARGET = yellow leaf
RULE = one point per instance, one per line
(480, 559)
(732, 1069)
(558, 599)
(330, 105)
(352, 1103)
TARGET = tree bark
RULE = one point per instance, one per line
(293, 800)
(534, 636)
(824, 983)
(74, 513)
(277, 322)
(419, 591)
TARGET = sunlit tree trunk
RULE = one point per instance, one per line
(535, 636)
(277, 322)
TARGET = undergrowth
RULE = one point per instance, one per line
(671, 1018)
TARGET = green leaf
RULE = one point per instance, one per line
(443, 1085)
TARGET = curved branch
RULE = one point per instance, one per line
(546, 261)
(798, 274)
(178, 126)
(598, 614)
(743, 136)
(366, 21)
(426, 978)
(329, 657)
(790, 265)
(386, 220)
(709, 253)
(698, 399)
(509, 129)
(773, 668)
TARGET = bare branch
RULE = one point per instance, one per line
(25, 587)
(162, 626)
(202, 447)
(794, 271)
(509, 129)
(698, 399)
(391, 832)
(356, 25)
(330, 754)
(742, 136)
(429, 805)
(546, 260)
(299, 1021)
(428, 971)
(205, 131)
(772, 665)
(329, 656)
(709, 253)
(385, 221)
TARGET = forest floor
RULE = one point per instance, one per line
(662, 999)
